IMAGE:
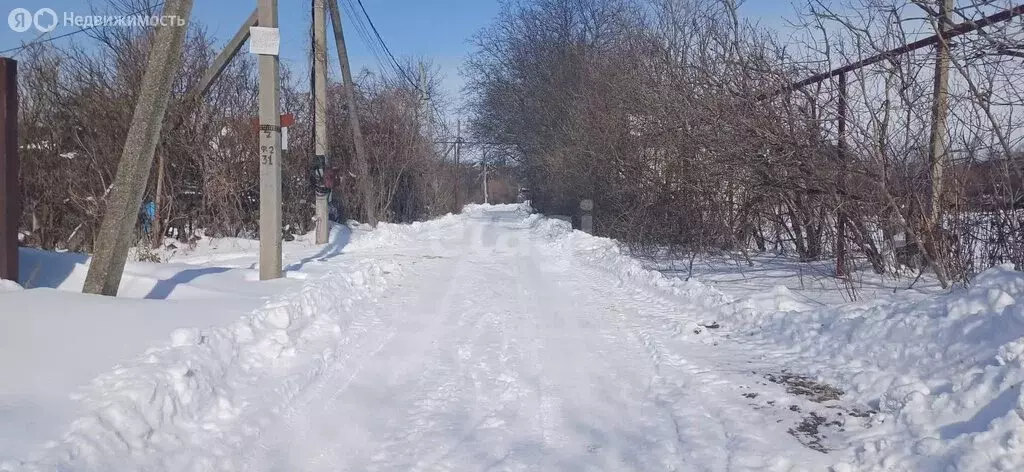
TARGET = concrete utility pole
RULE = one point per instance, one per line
(270, 151)
(10, 192)
(320, 115)
(125, 197)
(362, 165)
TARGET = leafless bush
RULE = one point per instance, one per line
(78, 102)
(665, 112)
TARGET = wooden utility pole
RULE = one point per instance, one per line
(10, 192)
(125, 197)
(270, 151)
(157, 229)
(937, 152)
(362, 164)
(320, 116)
(840, 213)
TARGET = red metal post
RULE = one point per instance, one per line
(10, 191)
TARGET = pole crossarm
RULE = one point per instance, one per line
(954, 31)
(223, 59)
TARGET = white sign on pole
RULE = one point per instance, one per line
(284, 139)
(264, 41)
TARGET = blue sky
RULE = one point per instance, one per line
(436, 29)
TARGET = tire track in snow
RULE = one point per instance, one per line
(704, 384)
(305, 443)
(518, 357)
(593, 401)
(488, 356)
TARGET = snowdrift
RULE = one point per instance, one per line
(944, 373)
(164, 410)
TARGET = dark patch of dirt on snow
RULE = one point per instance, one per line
(805, 387)
(818, 428)
(809, 433)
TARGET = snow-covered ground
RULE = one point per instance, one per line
(496, 339)
(53, 339)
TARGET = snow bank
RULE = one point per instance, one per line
(165, 409)
(944, 372)
(165, 399)
(608, 253)
(394, 233)
(476, 209)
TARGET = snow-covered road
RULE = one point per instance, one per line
(497, 351)
(500, 340)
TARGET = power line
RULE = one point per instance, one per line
(386, 49)
(37, 40)
(40, 40)
(397, 65)
(364, 34)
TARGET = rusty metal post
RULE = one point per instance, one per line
(10, 192)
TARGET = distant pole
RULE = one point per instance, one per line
(117, 229)
(320, 115)
(10, 193)
(425, 104)
(270, 151)
(458, 157)
(486, 199)
(362, 163)
(587, 218)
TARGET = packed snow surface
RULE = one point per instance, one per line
(500, 340)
